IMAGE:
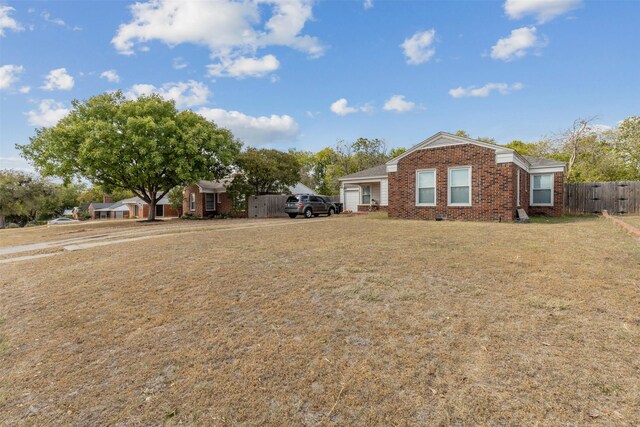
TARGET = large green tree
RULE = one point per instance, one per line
(24, 196)
(96, 194)
(144, 145)
(265, 171)
(627, 144)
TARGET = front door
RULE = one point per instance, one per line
(159, 210)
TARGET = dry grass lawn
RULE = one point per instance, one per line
(632, 219)
(347, 321)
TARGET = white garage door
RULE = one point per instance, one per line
(351, 200)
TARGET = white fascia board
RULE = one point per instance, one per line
(512, 158)
(364, 179)
(392, 168)
(546, 169)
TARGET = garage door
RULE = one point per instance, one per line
(351, 200)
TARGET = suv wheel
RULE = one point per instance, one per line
(308, 213)
(331, 211)
(292, 215)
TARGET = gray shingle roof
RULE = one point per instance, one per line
(380, 170)
(100, 205)
(538, 162)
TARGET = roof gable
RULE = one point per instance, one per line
(444, 139)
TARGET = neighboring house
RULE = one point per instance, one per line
(209, 198)
(458, 178)
(133, 207)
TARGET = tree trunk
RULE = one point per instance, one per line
(152, 210)
(1, 222)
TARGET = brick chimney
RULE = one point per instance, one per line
(107, 199)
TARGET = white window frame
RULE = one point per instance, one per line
(192, 202)
(362, 194)
(518, 189)
(449, 186)
(435, 185)
(532, 190)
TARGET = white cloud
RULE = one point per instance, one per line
(49, 112)
(111, 76)
(517, 45)
(254, 130)
(228, 28)
(15, 163)
(185, 94)
(58, 79)
(341, 107)
(47, 17)
(543, 10)
(418, 48)
(9, 75)
(484, 91)
(179, 63)
(7, 22)
(368, 4)
(244, 67)
(25, 89)
(399, 104)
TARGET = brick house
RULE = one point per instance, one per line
(458, 178)
(133, 207)
(207, 198)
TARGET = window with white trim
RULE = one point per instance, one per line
(366, 194)
(426, 188)
(210, 201)
(459, 186)
(192, 201)
(542, 189)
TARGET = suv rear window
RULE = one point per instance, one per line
(292, 199)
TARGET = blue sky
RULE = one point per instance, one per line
(303, 74)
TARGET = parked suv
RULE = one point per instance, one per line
(308, 205)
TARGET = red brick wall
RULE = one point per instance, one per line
(558, 195)
(199, 208)
(492, 185)
(224, 204)
(365, 208)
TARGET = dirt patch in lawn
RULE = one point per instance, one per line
(337, 322)
(631, 219)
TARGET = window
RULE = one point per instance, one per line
(192, 201)
(542, 189)
(159, 210)
(459, 186)
(426, 188)
(210, 201)
(366, 194)
(315, 199)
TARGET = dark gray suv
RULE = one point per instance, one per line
(308, 205)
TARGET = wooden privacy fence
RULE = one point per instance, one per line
(272, 206)
(621, 197)
(268, 206)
